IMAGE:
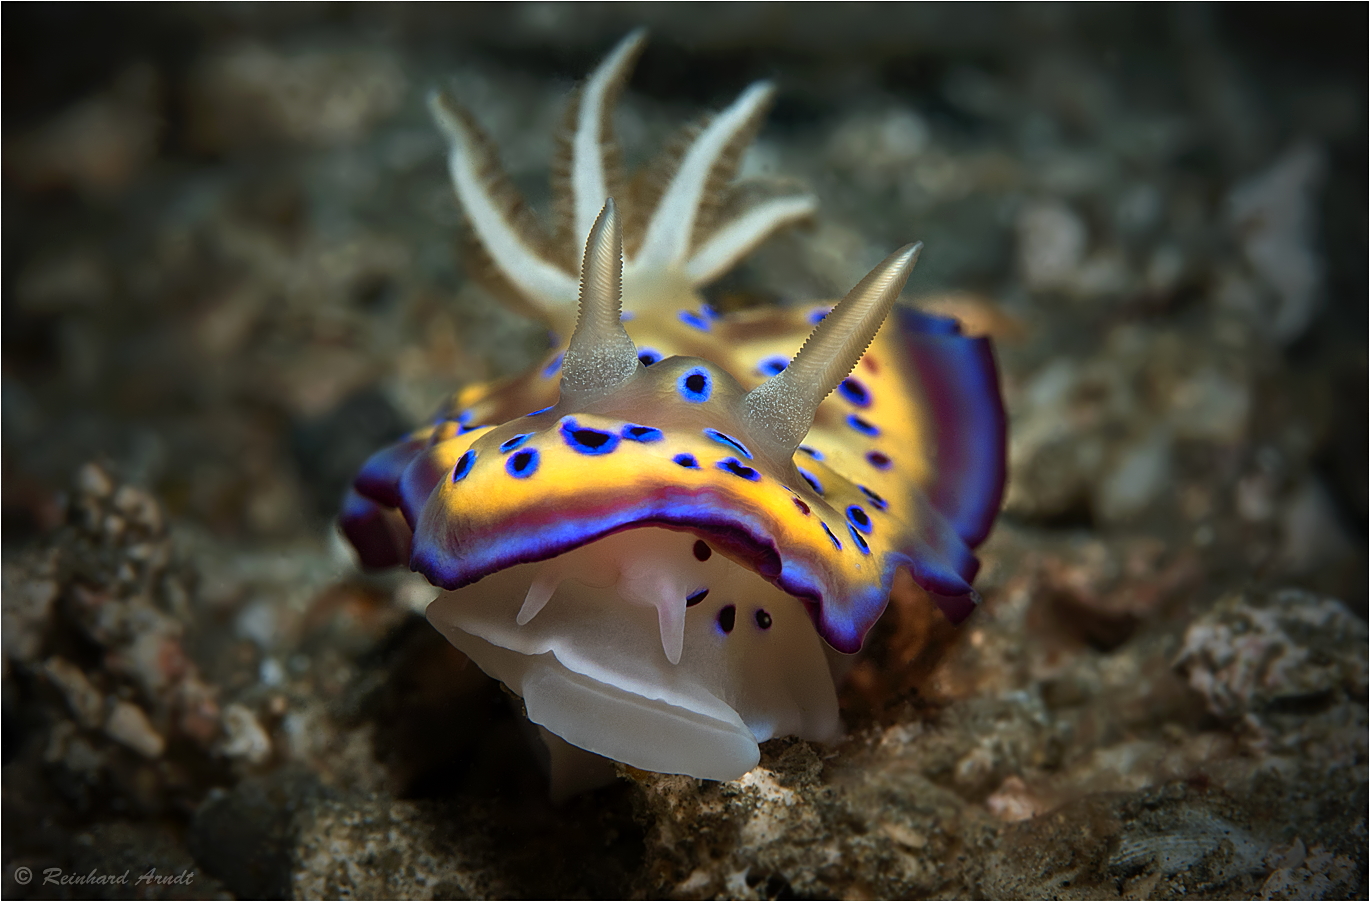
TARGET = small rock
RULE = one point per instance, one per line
(1139, 209)
(85, 700)
(1275, 216)
(1318, 875)
(1165, 269)
(94, 481)
(975, 768)
(97, 145)
(139, 507)
(1259, 659)
(67, 747)
(1288, 856)
(1141, 472)
(64, 282)
(129, 724)
(1101, 592)
(250, 93)
(1104, 274)
(1313, 536)
(1013, 801)
(1051, 245)
(1211, 406)
(245, 737)
(198, 707)
(29, 591)
(879, 146)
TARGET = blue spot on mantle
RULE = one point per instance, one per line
(865, 427)
(879, 460)
(695, 385)
(772, 366)
(523, 464)
(724, 438)
(854, 391)
(464, 464)
(635, 433)
(693, 320)
(585, 440)
(812, 480)
(738, 468)
(859, 518)
(879, 502)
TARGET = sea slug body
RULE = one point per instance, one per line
(625, 536)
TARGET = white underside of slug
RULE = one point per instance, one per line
(606, 654)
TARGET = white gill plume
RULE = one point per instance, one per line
(591, 135)
(782, 408)
(677, 237)
(666, 240)
(492, 209)
(672, 240)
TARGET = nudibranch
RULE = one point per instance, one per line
(669, 535)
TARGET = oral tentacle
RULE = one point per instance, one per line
(648, 586)
(539, 593)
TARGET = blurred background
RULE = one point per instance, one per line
(232, 268)
(230, 233)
